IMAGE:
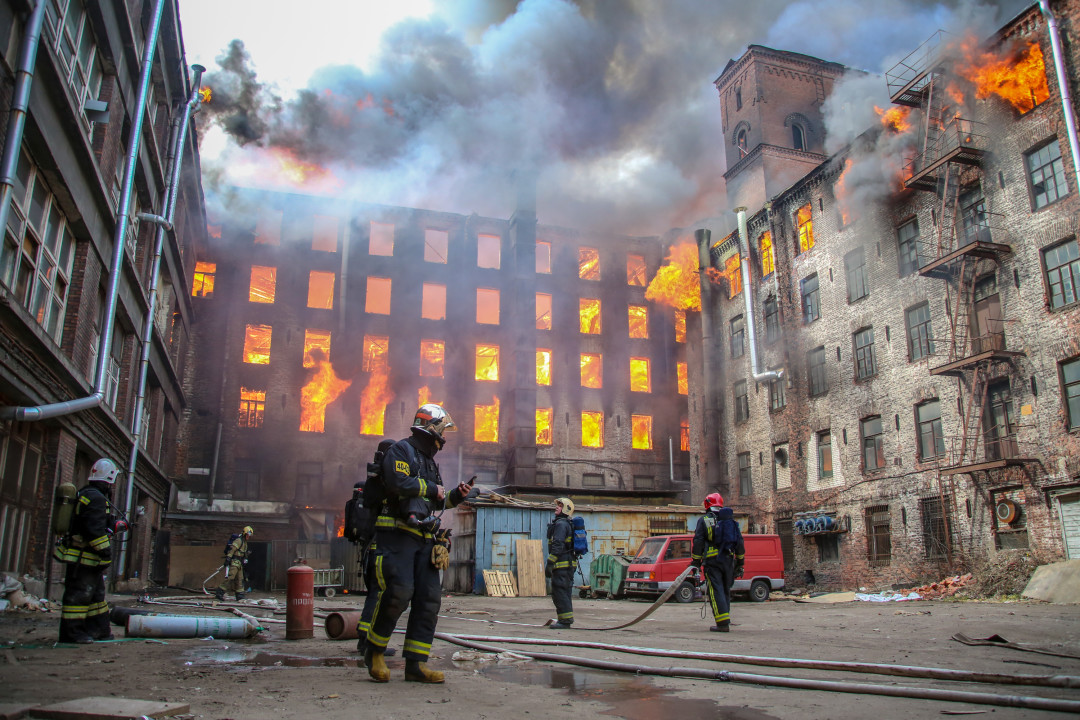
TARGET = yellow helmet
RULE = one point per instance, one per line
(248, 530)
(566, 504)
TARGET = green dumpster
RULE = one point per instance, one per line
(607, 574)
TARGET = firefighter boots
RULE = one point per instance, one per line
(376, 665)
(721, 627)
(416, 671)
(239, 597)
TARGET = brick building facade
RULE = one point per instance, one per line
(929, 411)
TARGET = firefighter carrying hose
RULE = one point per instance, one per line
(718, 546)
(409, 553)
(236, 553)
(87, 551)
(561, 563)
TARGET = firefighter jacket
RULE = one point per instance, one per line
(88, 541)
(717, 535)
(237, 551)
(412, 484)
(560, 536)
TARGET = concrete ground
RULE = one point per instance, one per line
(269, 677)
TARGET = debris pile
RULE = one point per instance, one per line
(944, 588)
(14, 596)
(1005, 573)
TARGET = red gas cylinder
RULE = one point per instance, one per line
(300, 603)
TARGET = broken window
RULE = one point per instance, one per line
(684, 435)
(252, 407)
(487, 306)
(543, 311)
(268, 227)
(436, 246)
(635, 270)
(768, 257)
(376, 348)
(487, 363)
(320, 290)
(486, 421)
(641, 432)
(592, 371)
(323, 388)
(432, 356)
(543, 367)
(680, 326)
(257, 344)
(374, 398)
(592, 430)
(202, 285)
(639, 375)
(316, 346)
(588, 263)
(733, 275)
(543, 257)
(377, 301)
(324, 233)
(381, 240)
(589, 315)
(805, 226)
(639, 321)
(433, 302)
(544, 432)
(488, 249)
(263, 284)
(680, 372)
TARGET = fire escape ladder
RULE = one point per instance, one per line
(947, 498)
(950, 209)
(972, 416)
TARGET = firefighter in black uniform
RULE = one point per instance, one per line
(718, 546)
(367, 556)
(406, 551)
(561, 563)
(87, 552)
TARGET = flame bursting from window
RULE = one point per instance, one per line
(684, 385)
(486, 417)
(840, 190)
(589, 314)
(1018, 78)
(589, 264)
(316, 346)
(206, 93)
(592, 371)
(432, 357)
(638, 316)
(639, 375)
(676, 282)
(592, 429)
(730, 277)
(324, 388)
(257, 344)
(300, 172)
(895, 119)
(641, 432)
(543, 426)
(543, 367)
(487, 363)
(374, 398)
(424, 396)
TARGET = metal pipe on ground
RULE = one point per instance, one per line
(979, 698)
(1064, 681)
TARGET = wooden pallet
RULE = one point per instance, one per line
(530, 568)
(499, 584)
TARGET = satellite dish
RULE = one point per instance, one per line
(1007, 511)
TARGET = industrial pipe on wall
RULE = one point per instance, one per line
(759, 373)
(1067, 107)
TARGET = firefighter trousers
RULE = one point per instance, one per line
(719, 577)
(562, 593)
(404, 576)
(371, 582)
(85, 614)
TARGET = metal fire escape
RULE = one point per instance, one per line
(964, 250)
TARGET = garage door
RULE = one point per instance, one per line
(1070, 524)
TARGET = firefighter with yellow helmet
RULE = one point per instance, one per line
(236, 554)
(561, 563)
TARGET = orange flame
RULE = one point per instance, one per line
(894, 119)
(323, 388)
(1018, 78)
(543, 426)
(676, 283)
(641, 432)
(373, 401)
(423, 397)
(301, 172)
(589, 315)
(592, 371)
(730, 277)
(487, 421)
(589, 264)
(684, 384)
(543, 367)
(639, 375)
(592, 429)
(206, 93)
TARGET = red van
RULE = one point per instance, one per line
(661, 559)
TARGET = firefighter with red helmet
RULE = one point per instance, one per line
(87, 551)
(718, 551)
(406, 547)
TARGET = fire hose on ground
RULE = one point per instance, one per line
(979, 698)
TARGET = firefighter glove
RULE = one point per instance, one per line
(696, 563)
(549, 568)
(739, 570)
(440, 557)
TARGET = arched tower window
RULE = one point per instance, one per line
(801, 130)
(797, 139)
(738, 98)
(740, 141)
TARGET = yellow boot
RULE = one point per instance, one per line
(416, 671)
(376, 665)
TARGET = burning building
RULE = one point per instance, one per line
(330, 322)
(914, 302)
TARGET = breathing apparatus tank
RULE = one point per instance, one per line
(63, 507)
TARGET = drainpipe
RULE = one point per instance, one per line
(759, 373)
(711, 420)
(1067, 108)
(164, 222)
(42, 412)
(20, 101)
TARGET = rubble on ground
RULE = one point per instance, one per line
(14, 594)
(1006, 572)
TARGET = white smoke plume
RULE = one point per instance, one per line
(610, 105)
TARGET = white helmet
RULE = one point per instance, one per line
(433, 419)
(104, 471)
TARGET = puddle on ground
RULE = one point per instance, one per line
(252, 657)
(630, 697)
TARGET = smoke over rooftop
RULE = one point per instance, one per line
(610, 105)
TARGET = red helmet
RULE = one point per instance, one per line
(714, 500)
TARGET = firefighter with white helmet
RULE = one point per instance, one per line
(561, 563)
(405, 541)
(718, 551)
(236, 553)
(86, 549)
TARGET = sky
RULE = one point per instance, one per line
(608, 106)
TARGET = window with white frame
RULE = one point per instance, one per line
(68, 32)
